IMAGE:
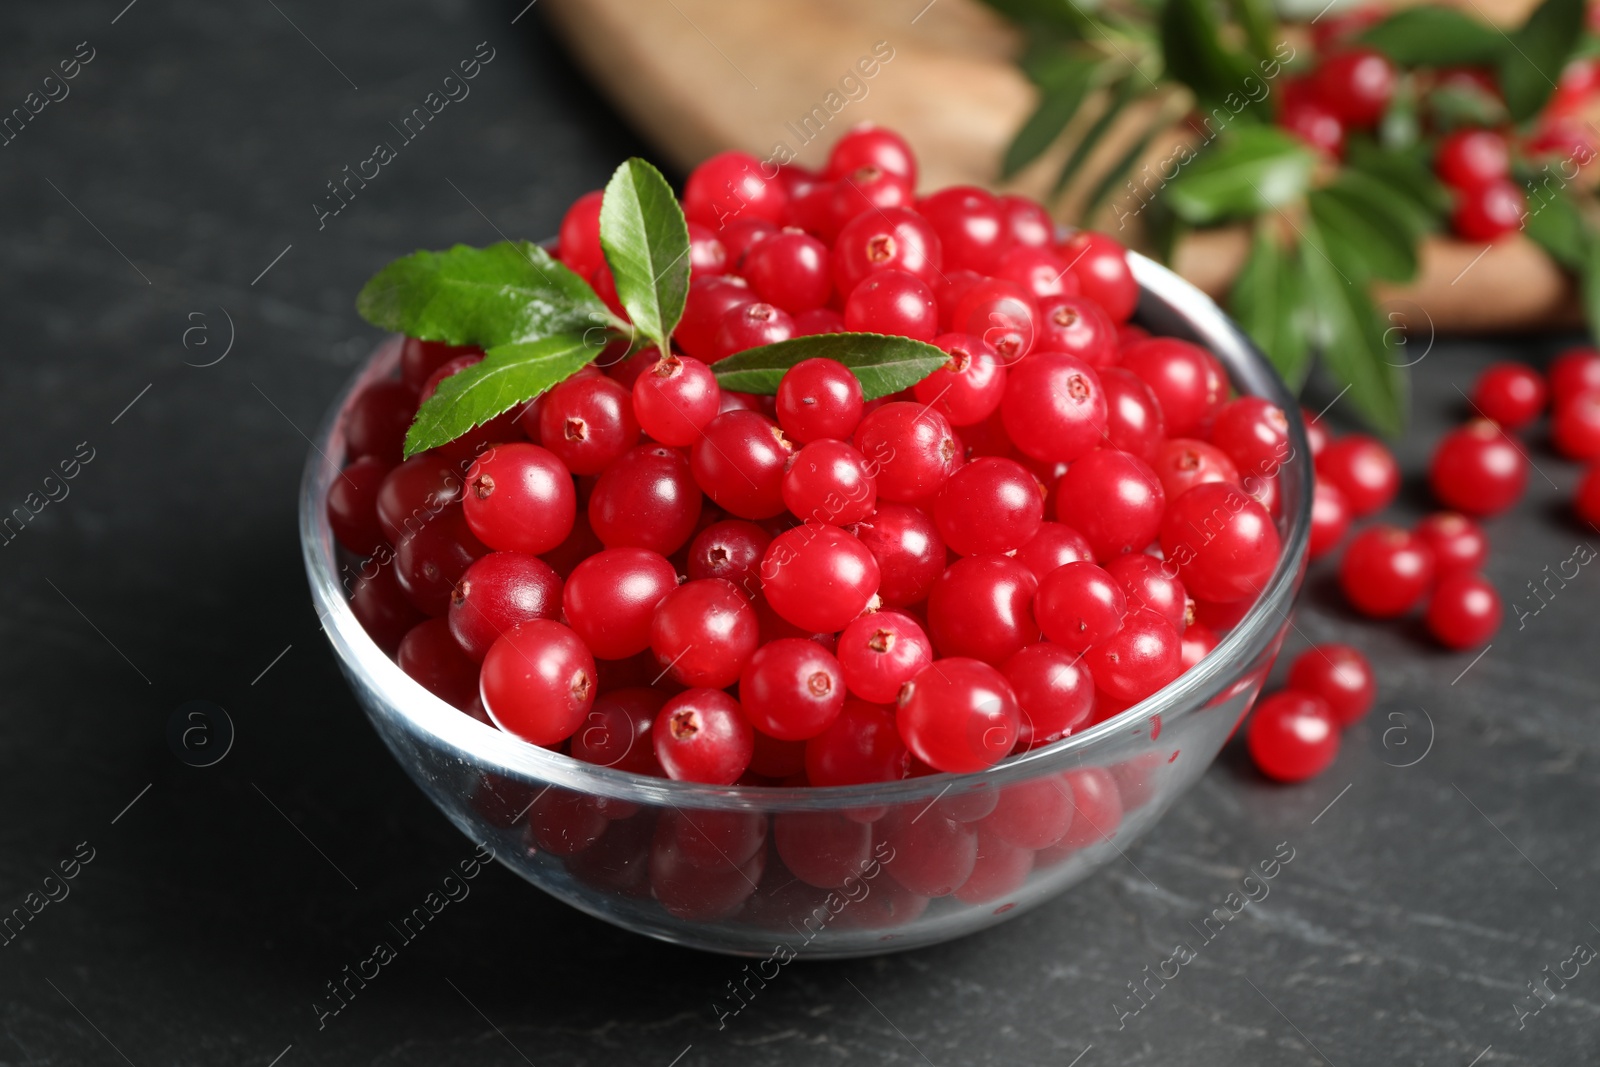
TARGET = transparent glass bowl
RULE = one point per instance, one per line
(720, 868)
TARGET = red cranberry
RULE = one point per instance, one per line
(910, 554)
(1340, 675)
(819, 398)
(1053, 546)
(1137, 660)
(377, 420)
(1133, 418)
(892, 302)
(982, 608)
(538, 682)
(1308, 118)
(933, 856)
(731, 185)
(818, 577)
(1464, 611)
(1478, 469)
(1510, 393)
(1040, 272)
(1199, 640)
(862, 745)
(959, 715)
(1575, 429)
(646, 499)
(1182, 463)
(880, 652)
(867, 191)
(429, 562)
(741, 236)
(353, 505)
(892, 239)
(578, 243)
(496, 593)
(617, 731)
(790, 269)
(1458, 543)
(730, 550)
(1115, 500)
(1079, 605)
(610, 599)
(1356, 85)
(822, 848)
(708, 301)
(703, 634)
(969, 388)
(818, 321)
(991, 505)
(1577, 370)
(999, 311)
(419, 359)
(1030, 815)
(1077, 326)
(1254, 432)
(971, 225)
(587, 423)
(1027, 222)
(384, 610)
(1293, 736)
(1472, 158)
(1330, 519)
(739, 462)
(1187, 381)
(1101, 267)
(432, 658)
(751, 326)
(792, 689)
(1222, 542)
(1385, 571)
(1054, 408)
(912, 447)
(708, 257)
(701, 736)
(674, 399)
(1363, 470)
(1489, 212)
(1149, 584)
(1054, 691)
(867, 145)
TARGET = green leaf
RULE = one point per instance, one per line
(1409, 171)
(509, 375)
(1268, 300)
(1452, 107)
(1256, 168)
(1385, 203)
(646, 242)
(1357, 349)
(884, 364)
(1436, 37)
(1259, 24)
(1362, 245)
(1541, 47)
(1119, 97)
(1191, 43)
(1555, 225)
(508, 292)
(1059, 100)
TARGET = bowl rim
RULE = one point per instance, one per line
(493, 751)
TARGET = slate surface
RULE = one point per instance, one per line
(172, 191)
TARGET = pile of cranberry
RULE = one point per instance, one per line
(1352, 87)
(646, 571)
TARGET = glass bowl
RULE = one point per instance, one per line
(841, 871)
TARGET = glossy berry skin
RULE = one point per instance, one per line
(1340, 675)
(1054, 408)
(1464, 611)
(869, 145)
(377, 420)
(646, 499)
(1001, 312)
(703, 633)
(617, 731)
(741, 236)
(819, 398)
(1510, 393)
(384, 610)
(1254, 432)
(1471, 158)
(730, 550)
(1575, 429)
(1478, 470)
(1140, 658)
(982, 608)
(701, 735)
(1363, 469)
(1199, 640)
(1134, 423)
(818, 321)
(739, 463)
(991, 505)
(1187, 381)
(1054, 692)
(353, 505)
(827, 482)
(1489, 212)
(708, 256)
(674, 399)
(429, 562)
(610, 599)
(1114, 499)
(1356, 85)
(1292, 736)
(1330, 519)
(1077, 326)
(1079, 605)
(1150, 584)
(1586, 502)
(959, 715)
(891, 239)
(969, 388)
(1458, 543)
(1054, 545)
(578, 242)
(1027, 222)
(433, 659)
(1309, 119)
(729, 186)
(496, 593)
(892, 302)
(818, 577)
(910, 553)
(520, 498)
(751, 326)
(865, 191)
(1182, 463)
(971, 224)
(1223, 542)
(538, 682)
(913, 449)
(1101, 267)
(1040, 272)
(419, 359)
(588, 422)
(862, 745)
(790, 269)
(824, 849)
(1385, 571)
(792, 689)
(1577, 370)
(708, 301)
(880, 652)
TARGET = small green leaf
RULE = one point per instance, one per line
(1191, 43)
(1452, 107)
(1117, 99)
(1541, 48)
(1408, 171)
(1256, 168)
(1431, 36)
(1357, 350)
(1259, 24)
(1555, 225)
(646, 242)
(884, 364)
(511, 291)
(509, 375)
(1361, 244)
(1059, 100)
(1268, 301)
(1384, 203)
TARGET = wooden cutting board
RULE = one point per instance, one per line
(783, 78)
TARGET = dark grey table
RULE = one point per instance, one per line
(164, 205)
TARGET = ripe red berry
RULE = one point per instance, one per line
(1356, 85)
(1133, 418)
(1292, 736)
(1471, 158)
(708, 301)
(792, 689)
(824, 849)
(1152, 584)
(674, 399)
(587, 422)
(700, 735)
(892, 302)
(646, 499)
(912, 448)
(790, 269)
(868, 145)
(998, 310)
(703, 633)
(862, 745)
(1464, 611)
(1575, 429)
(1054, 545)
(866, 191)
(880, 652)
(1385, 571)
(750, 326)
(353, 505)
(828, 482)
(1577, 370)
(617, 731)
(910, 553)
(1303, 114)
(891, 239)
(740, 237)
(496, 593)
(1027, 221)
(969, 388)
(1040, 272)
(1488, 212)
(982, 608)
(610, 599)
(1054, 692)
(819, 398)
(708, 256)
(1101, 267)
(818, 577)
(1363, 470)
(377, 420)
(1182, 463)
(1079, 605)
(520, 498)
(432, 658)
(1254, 432)
(1198, 642)
(1077, 326)
(991, 505)
(1223, 542)
(578, 243)
(384, 610)
(1478, 469)
(971, 224)
(430, 561)
(1340, 675)
(1054, 408)
(730, 550)
(959, 715)
(1114, 499)
(933, 856)
(731, 185)
(1330, 519)
(1510, 393)
(1187, 381)
(818, 321)
(739, 461)
(1458, 543)
(1139, 659)
(538, 682)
